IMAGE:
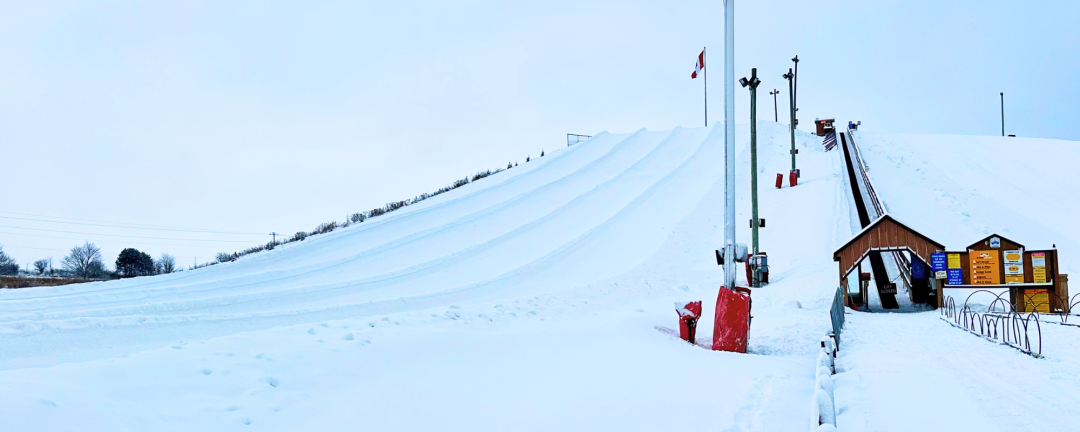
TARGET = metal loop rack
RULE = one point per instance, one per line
(1000, 323)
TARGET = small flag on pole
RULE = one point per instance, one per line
(700, 65)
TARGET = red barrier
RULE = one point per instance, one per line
(689, 313)
(731, 327)
(779, 180)
(793, 178)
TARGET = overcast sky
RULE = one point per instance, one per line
(275, 116)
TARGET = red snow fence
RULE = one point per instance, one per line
(732, 324)
(689, 312)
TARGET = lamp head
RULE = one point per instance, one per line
(743, 81)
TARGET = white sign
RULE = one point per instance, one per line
(995, 242)
(941, 275)
(1014, 262)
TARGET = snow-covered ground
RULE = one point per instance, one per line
(539, 298)
(903, 372)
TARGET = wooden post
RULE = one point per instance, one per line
(938, 292)
(1063, 286)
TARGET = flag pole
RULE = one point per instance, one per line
(705, 77)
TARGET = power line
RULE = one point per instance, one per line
(132, 227)
(31, 247)
(110, 241)
(116, 235)
(119, 224)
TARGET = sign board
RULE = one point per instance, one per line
(1014, 262)
(918, 270)
(1038, 267)
(1037, 300)
(1014, 266)
(985, 267)
(954, 261)
(889, 288)
(995, 242)
(955, 276)
(937, 262)
(940, 274)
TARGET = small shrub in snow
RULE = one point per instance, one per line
(225, 257)
(324, 228)
(299, 236)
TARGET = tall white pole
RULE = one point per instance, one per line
(729, 144)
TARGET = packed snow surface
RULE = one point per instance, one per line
(903, 372)
(539, 298)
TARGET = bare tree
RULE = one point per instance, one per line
(42, 265)
(8, 266)
(166, 264)
(84, 261)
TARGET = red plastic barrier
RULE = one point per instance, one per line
(689, 313)
(732, 325)
(779, 180)
(793, 178)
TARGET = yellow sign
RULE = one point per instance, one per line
(985, 267)
(1037, 300)
(1014, 279)
(1038, 267)
(954, 261)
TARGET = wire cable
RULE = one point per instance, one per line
(119, 224)
(125, 236)
(112, 241)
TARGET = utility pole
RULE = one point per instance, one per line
(705, 79)
(753, 84)
(791, 107)
(274, 241)
(776, 113)
(729, 144)
(1002, 113)
(795, 91)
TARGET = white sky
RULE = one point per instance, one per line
(276, 116)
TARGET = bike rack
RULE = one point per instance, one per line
(1000, 323)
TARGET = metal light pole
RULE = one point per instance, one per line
(729, 144)
(1002, 113)
(791, 107)
(795, 92)
(753, 84)
(776, 113)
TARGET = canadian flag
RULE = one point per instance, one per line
(700, 65)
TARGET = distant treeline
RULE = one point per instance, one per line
(85, 262)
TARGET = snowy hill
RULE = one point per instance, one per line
(958, 189)
(541, 298)
(505, 304)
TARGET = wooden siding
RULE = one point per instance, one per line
(886, 234)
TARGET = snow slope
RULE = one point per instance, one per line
(539, 298)
(957, 190)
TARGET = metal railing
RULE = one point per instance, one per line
(572, 139)
(902, 263)
(836, 313)
(999, 323)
